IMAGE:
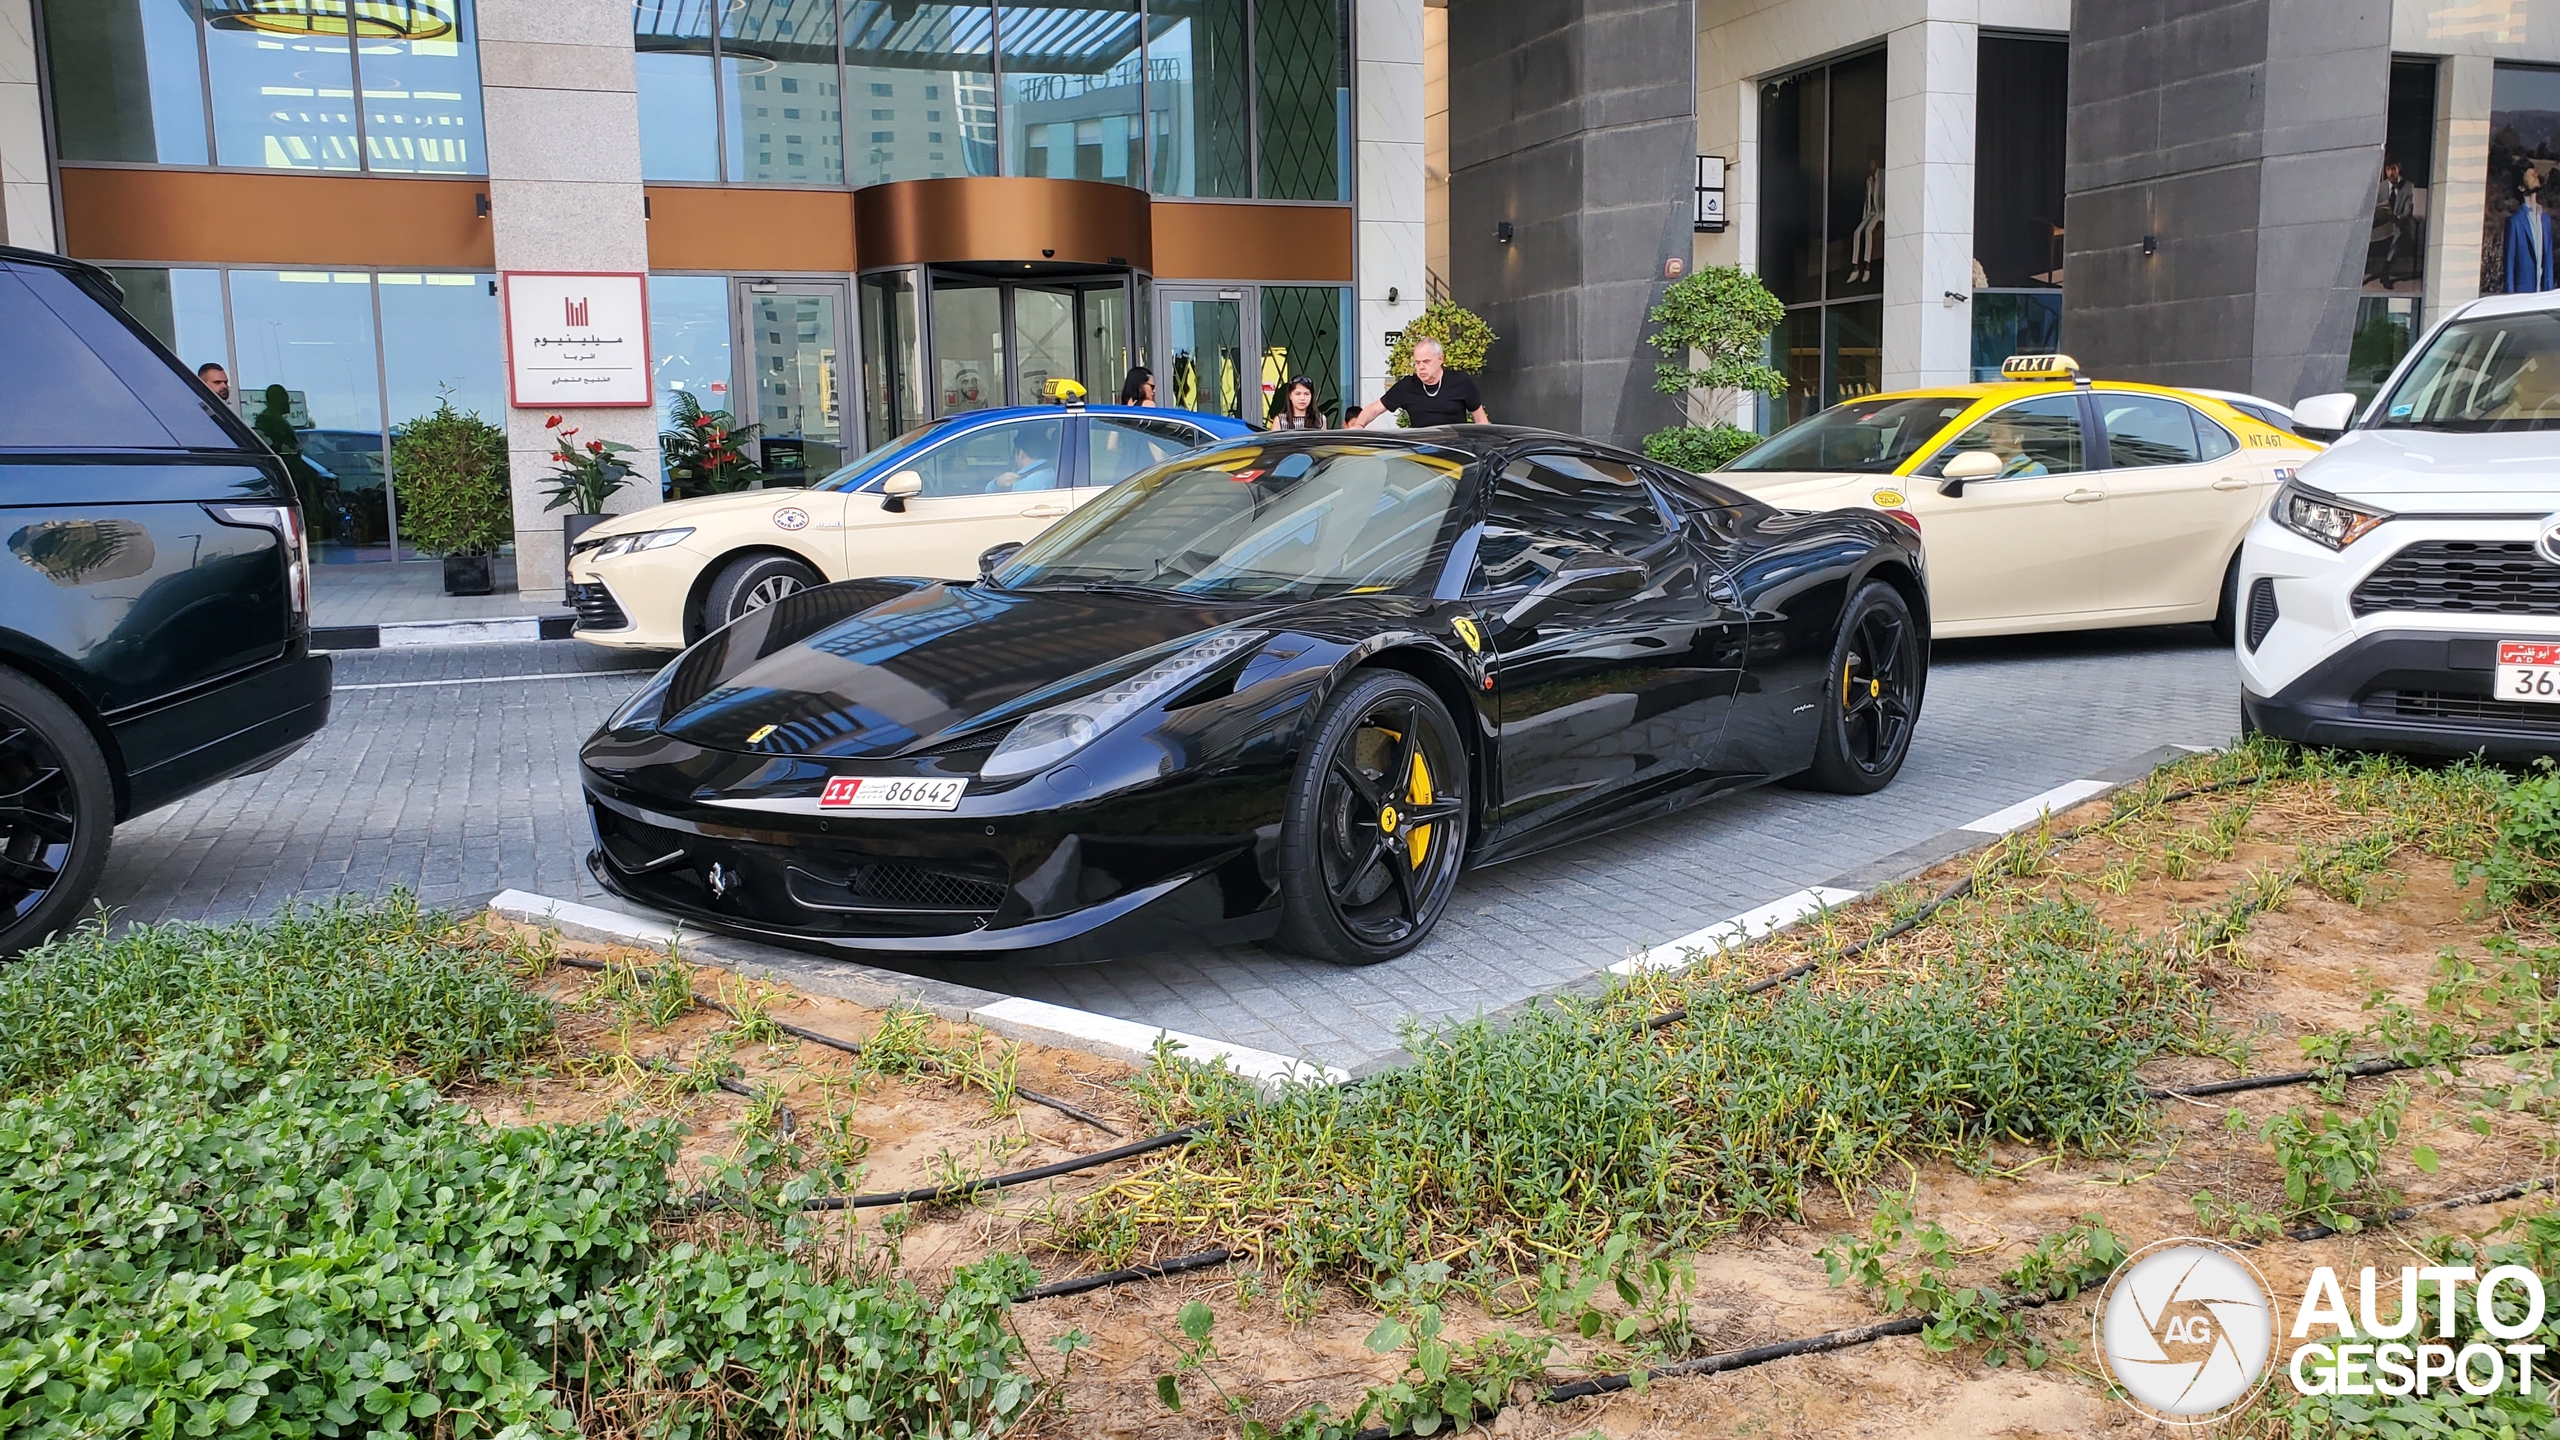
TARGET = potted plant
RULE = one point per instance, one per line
(1721, 315)
(705, 451)
(449, 470)
(583, 477)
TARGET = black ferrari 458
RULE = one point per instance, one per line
(1280, 688)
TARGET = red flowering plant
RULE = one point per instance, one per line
(705, 451)
(584, 474)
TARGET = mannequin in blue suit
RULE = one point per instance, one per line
(2531, 242)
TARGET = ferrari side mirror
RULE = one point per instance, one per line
(897, 488)
(1586, 580)
(1967, 466)
(992, 559)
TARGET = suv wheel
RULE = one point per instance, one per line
(751, 582)
(57, 811)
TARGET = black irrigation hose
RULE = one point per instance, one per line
(1179, 1264)
(2515, 1190)
(936, 1194)
(854, 1049)
(790, 1122)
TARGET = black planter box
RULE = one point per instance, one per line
(469, 574)
(572, 527)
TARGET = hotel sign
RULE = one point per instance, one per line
(577, 339)
(1709, 212)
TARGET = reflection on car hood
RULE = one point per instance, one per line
(699, 509)
(2441, 472)
(928, 665)
(1806, 490)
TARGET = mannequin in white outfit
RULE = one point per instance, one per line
(1866, 243)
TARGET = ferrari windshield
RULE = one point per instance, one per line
(1256, 522)
(2498, 372)
(1862, 437)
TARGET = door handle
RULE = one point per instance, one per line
(2083, 497)
(2229, 482)
(1045, 512)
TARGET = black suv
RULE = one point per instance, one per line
(155, 616)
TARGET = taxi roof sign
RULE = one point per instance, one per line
(2040, 367)
(1060, 390)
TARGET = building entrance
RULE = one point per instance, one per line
(792, 341)
(939, 342)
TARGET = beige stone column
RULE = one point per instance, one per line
(2458, 197)
(26, 182)
(1928, 203)
(559, 92)
(1387, 93)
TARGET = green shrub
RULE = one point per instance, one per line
(365, 985)
(2522, 867)
(449, 469)
(1465, 340)
(1700, 448)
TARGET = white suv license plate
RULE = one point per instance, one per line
(850, 792)
(2529, 670)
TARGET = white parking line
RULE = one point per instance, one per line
(2035, 807)
(493, 679)
(1741, 930)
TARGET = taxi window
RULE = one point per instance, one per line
(1118, 447)
(2033, 437)
(2148, 430)
(2214, 441)
(992, 459)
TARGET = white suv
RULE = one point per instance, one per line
(2403, 591)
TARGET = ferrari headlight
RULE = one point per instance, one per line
(649, 706)
(2324, 518)
(637, 541)
(1048, 736)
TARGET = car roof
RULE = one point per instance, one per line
(1015, 412)
(1981, 390)
(2509, 304)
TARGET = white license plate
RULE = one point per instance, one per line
(2529, 670)
(873, 792)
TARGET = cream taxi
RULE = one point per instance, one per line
(2045, 500)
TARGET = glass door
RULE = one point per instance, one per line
(1044, 341)
(1205, 341)
(893, 369)
(793, 348)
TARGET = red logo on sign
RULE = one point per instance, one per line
(2528, 652)
(576, 316)
(840, 792)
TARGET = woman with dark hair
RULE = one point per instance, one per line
(1139, 388)
(1294, 408)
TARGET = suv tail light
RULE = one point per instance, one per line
(286, 523)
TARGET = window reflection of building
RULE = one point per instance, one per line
(2392, 305)
(2022, 109)
(2524, 141)
(285, 84)
(1822, 231)
(1071, 101)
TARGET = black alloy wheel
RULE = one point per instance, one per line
(1878, 665)
(57, 813)
(2226, 618)
(1376, 827)
(752, 582)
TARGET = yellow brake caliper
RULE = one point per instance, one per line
(1417, 841)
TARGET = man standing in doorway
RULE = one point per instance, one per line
(216, 379)
(1430, 395)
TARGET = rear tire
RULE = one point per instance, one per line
(750, 583)
(2226, 621)
(1871, 699)
(57, 813)
(1375, 825)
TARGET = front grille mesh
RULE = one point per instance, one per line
(2447, 705)
(2262, 611)
(892, 885)
(596, 608)
(2464, 577)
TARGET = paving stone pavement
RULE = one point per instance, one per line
(457, 789)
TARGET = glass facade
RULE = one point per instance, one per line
(2022, 106)
(689, 341)
(267, 84)
(2524, 148)
(1304, 332)
(2392, 305)
(1822, 228)
(1219, 98)
(892, 356)
(1071, 91)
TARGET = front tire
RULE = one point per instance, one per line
(1872, 698)
(750, 583)
(57, 812)
(2226, 620)
(1375, 827)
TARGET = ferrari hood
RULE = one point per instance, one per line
(699, 509)
(2440, 472)
(930, 664)
(1809, 490)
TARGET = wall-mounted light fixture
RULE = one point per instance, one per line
(1953, 298)
(2150, 244)
(1391, 294)
(481, 204)
(1502, 232)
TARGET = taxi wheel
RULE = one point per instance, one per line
(751, 582)
(2226, 620)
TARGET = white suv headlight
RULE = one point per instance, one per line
(636, 541)
(2324, 518)
(1046, 737)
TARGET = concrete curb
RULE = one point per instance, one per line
(1085, 1032)
(492, 630)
